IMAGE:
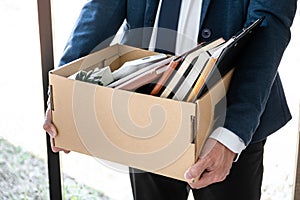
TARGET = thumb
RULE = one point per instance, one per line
(195, 171)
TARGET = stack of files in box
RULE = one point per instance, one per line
(191, 61)
(189, 75)
(184, 71)
(126, 72)
(142, 76)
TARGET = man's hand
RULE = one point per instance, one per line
(51, 130)
(213, 166)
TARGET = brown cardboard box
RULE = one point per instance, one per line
(163, 136)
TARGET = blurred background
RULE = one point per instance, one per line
(23, 167)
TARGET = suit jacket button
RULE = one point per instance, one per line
(206, 33)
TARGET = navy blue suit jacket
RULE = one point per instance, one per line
(256, 102)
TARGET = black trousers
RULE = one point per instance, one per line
(243, 182)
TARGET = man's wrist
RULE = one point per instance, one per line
(230, 140)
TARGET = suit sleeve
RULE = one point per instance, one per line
(257, 67)
(98, 21)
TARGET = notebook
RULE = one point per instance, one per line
(223, 61)
(185, 66)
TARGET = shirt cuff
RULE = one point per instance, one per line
(230, 140)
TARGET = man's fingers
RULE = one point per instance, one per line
(66, 151)
(49, 128)
(54, 149)
(213, 165)
(194, 172)
(57, 149)
(208, 178)
(205, 180)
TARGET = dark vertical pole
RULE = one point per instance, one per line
(46, 45)
(297, 170)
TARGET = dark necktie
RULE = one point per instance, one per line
(167, 26)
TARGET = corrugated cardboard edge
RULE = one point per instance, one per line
(94, 60)
(205, 110)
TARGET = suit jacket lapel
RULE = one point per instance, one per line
(205, 5)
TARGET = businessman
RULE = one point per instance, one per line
(231, 163)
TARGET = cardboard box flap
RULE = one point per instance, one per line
(208, 107)
(114, 56)
(100, 58)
